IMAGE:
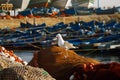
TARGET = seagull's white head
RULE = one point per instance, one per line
(59, 36)
(60, 40)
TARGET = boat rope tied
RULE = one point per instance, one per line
(35, 46)
(91, 52)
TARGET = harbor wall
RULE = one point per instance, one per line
(13, 23)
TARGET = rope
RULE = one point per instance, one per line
(90, 52)
(34, 46)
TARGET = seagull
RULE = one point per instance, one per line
(64, 44)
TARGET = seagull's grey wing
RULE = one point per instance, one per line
(69, 45)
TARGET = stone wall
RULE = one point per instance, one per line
(52, 21)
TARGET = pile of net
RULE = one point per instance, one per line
(103, 71)
(13, 67)
(9, 59)
(24, 73)
(59, 62)
(5, 63)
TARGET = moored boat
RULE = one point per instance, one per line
(60, 4)
(81, 34)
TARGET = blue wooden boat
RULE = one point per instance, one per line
(29, 25)
(106, 11)
(77, 33)
(101, 39)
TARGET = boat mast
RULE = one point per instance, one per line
(68, 4)
(98, 3)
(91, 4)
(47, 3)
(7, 1)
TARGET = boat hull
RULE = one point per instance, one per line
(37, 3)
(60, 4)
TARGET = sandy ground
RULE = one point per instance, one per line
(12, 23)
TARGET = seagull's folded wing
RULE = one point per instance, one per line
(69, 45)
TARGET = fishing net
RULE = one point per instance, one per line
(24, 73)
(5, 63)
